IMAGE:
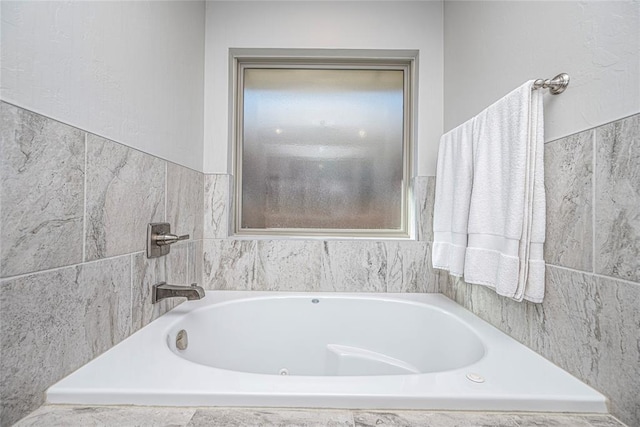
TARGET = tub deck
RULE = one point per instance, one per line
(142, 370)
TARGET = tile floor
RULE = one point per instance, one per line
(124, 416)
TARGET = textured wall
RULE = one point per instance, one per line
(74, 277)
(323, 25)
(589, 322)
(314, 264)
(130, 71)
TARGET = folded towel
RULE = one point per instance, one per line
(453, 194)
(507, 211)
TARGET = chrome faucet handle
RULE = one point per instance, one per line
(159, 239)
(167, 239)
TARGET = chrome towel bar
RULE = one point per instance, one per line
(556, 85)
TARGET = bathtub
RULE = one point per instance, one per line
(380, 351)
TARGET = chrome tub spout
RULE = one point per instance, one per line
(164, 290)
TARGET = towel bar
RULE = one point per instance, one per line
(556, 85)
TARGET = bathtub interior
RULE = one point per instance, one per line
(326, 336)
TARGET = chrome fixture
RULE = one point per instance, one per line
(159, 238)
(182, 340)
(556, 85)
(163, 290)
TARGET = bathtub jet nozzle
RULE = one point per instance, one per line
(164, 290)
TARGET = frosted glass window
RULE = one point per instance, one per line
(322, 149)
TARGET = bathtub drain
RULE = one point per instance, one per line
(284, 371)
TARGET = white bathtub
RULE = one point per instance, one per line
(385, 351)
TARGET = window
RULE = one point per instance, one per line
(322, 146)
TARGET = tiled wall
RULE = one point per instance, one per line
(315, 265)
(74, 277)
(589, 323)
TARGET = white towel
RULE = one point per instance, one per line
(453, 194)
(507, 212)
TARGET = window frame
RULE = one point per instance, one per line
(403, 60)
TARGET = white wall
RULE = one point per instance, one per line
(493, 46)
(323, 25)
(131, 71)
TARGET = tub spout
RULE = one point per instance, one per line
(164, 290)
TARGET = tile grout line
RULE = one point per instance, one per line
(594, 141)
(131, 292)
(597, 275)
(84, 214)
(78, 264)
(166, 190)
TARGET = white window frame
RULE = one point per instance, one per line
(405, 60)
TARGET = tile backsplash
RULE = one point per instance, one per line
(349, 265)
(74, 277)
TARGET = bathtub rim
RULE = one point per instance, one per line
(453, 393)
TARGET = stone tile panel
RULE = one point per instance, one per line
(617, 200)
(125, 192)
(41, 192)
(54, 322)
(569, 191)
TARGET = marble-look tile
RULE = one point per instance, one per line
(565, 420)
(173, 268)
(288, 265)
(217, 205)
(601, 420)
(431, 419)
(619, 368)
(478, 419)
(455, 288)
(569, 191)
(354, 266)
(424, 193)
(409, 267)
(196, 262)
(617, 201)
(511, 317)
(107, 416)
(229, 264)
(125, 192)
(241, 417)
(42, 192)
(55, 321)
(590, 326)
(185, 201)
